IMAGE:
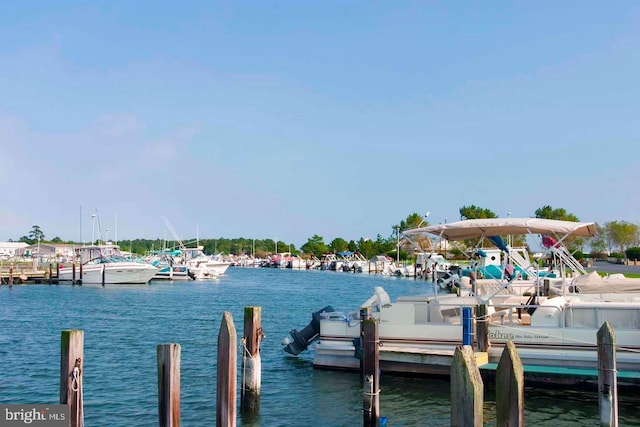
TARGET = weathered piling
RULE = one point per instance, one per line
(467, 394)
(50, 273)
(251, 360)
(10, 283)
(510, 388)
(73, 274)
(482, 327)
(80, 273)
(168, 385)
(370, 373)
(104, 273)
(71, 371)
(607, 379)
(226, 386)
(57, 272)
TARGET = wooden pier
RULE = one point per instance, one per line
(21, 275)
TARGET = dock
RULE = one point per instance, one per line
(21, 276)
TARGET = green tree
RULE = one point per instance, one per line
(26, 240)
(338, 245)
(316, 246)
(367, 248)
(547, 212)
(36, 233)
(413, 221)
(598, 243)
(475, 212)
(620, 234)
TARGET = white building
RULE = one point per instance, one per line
(8, 249)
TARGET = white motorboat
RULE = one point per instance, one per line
(105, 264)
(170, 265)
(552, 326)
(203, 266)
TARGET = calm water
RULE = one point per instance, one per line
(123, 325)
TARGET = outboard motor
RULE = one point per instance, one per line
(304, 337)
(449, 280)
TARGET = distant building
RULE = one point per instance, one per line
(49, 252)
(8, 249)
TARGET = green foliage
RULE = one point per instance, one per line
(633, 253)
(367, 248)
(475, 212)
(338, 245)
(412, 221)
(620, 234)
(316, 246)
(36, 233)
(547, 212)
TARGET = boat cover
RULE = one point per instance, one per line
(476, 228)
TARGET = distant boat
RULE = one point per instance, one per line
(203, 266)
(107, 261)
(170, 265)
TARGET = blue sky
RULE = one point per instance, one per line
(337, 118)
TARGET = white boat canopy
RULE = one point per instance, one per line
(476, 228)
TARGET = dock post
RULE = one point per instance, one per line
(80, 273)
(467, 393)
(104, 273)
(607, 380)
(251, 360)
(50, 273)
(71, 372)
(57, 273)
(371, 373)
(482, 327)
(510, 388)
(226, 378)
(10, 283)
(168, 385)
(73, 274)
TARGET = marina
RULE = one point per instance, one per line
(123, 325)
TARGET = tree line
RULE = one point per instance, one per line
(614, 238)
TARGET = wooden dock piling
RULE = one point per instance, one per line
(482, 327)
(607, 379)
(104, 274)
(467, 393)
(10, 275)
(71, 372)
(80, 273)
(370, 373)
(73, 274)
(50, 273)
(226, 378)
(510, 388)
(251, 360)
(168, 385)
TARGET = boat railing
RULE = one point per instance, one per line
(551, 316)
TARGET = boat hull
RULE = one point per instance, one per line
(420, 334)
(209, 270)
(114, 273)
